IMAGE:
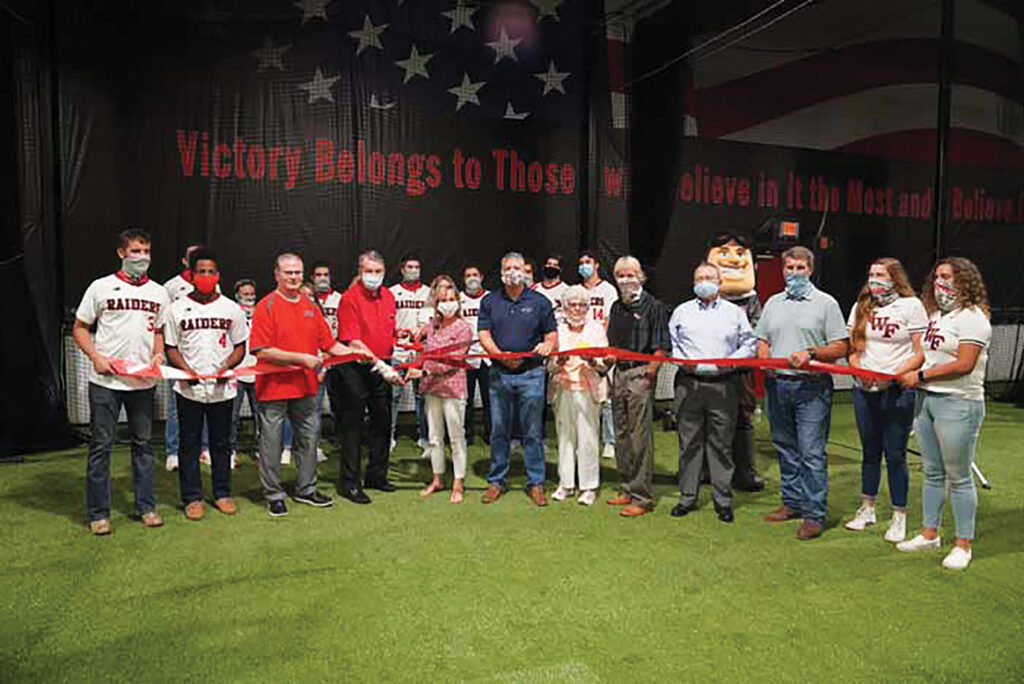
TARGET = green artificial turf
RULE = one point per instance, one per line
(408, 590)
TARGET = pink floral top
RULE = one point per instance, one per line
(442, 379)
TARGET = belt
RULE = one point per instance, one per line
(718, 377)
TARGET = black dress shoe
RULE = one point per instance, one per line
(355, 495)
(382, 486)
(724, 513)
(679, 510)
(748, 482)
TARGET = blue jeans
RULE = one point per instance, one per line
(883, 421)
(525, 392)
(800, 413)
(104, 407)
(947, 429)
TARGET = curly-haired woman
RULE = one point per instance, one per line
(952, 404)
(886, 325)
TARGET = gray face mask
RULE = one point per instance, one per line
(135, 266)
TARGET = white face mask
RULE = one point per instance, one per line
(372, 281)
(630, 287)
(448, 309)
(575, 318)
(411, 274)
(473, 285)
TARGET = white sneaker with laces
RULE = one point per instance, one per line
(171, 463)
(561, 494)
(897, 531)
(958, 559)
(587, 498)
(919, 543)
(204, 457)
(608, 451)
(286, 456)
(865, 516)
(320, 455)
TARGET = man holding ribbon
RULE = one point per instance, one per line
(707, 396)
(288, 330)
(205, 335)
(804, 324)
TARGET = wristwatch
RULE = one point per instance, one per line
(920, 376)
(813, 353)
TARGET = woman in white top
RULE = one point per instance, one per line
(952, 404)
(578, 386)
(886, 325)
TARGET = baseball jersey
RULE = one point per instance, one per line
(888, 343)
(179, 286)
(127, 316)
(411, 314)
(205, 335)
(470, 314)
(329, 304)
(554, 294)
(602, 296)
(942, 341)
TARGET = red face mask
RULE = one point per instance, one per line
(206, 284)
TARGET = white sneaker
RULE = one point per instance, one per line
(587, 498)
(608, 451)
(393, 445)
(204, 457)
(919, 543)
(897, 531)
(865, 516)
(561, 494)
(320, 455)
(958, 559)
(171, 463)
(234, 460)
(286, 456)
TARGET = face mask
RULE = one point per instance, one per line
(798, 285)
(205, 284)
(945, 295)
(513, 277)
(576, 317)
(586, 271)
(135, 266)
(246, 301)
(551, 272)
(448, 309)
(411, 275)
(527, 280)
(372, 281)
(473, 285)
(322, 284)
(705, 289)
(629, 287)
(883, 291)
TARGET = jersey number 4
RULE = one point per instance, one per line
(224, 340)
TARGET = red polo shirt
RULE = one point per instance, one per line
(288, 326)
(368, 317)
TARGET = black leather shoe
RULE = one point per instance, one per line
(724, 513)
(355, 495)
(751, 483)
(382, 486)
(679, 510)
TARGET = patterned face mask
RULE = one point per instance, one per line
(945, 295)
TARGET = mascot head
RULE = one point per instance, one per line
(731, 254)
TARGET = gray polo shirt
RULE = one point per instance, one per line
(790, 324)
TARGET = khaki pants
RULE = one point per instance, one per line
(633, 412)
(577, 417)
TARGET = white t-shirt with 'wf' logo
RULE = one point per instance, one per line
(942, 339)
(888, 343)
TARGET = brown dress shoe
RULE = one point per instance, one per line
(634, 511)
(808, 530)
(152, 519)
(492, 494)
(225, 506)
(781, 514)
(195, 510)
(537, 495)
(620, 500)
(100, 527)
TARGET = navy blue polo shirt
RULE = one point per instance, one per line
(517, 325)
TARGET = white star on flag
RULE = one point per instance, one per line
(460, 15)
(375, 103)
(269, 56)
(369, 35)
(466, 91)
(511, 113)
(311, 9)
(553, 78)
(504, 47)
(547, 8)
(319, 88)
(415, 65)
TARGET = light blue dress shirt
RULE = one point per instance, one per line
(718, 330)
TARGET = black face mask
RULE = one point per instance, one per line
(551, 272)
